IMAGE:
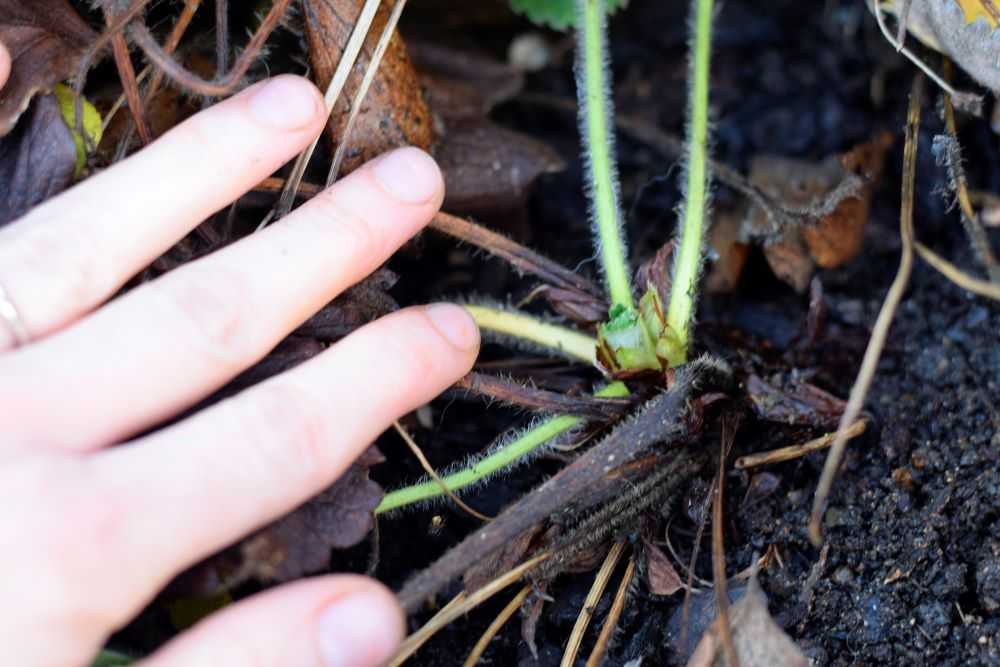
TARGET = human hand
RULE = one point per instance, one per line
(91, 533)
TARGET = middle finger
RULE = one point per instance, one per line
(167, 344)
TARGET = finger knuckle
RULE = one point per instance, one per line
(289, 431)
(350, 230)
(208, 307)
(58, 251)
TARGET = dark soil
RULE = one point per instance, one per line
(912, 573)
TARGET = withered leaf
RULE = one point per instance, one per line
(661, 577)
(488, 168)
(46, 39)
(799, 403)
(37, 159)
(358, 305)
(394, 112)
(836, 190)
(463, 85)
(731, 250)
(338, 518)
(758, 640)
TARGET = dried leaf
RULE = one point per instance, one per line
(46, 39)
(338, 518)
(531, 613)
(731, 251)
(488, 168)
(37, 159)
(661, 577)
(759, 641)
(463, 85)
(394, 112)
(799, 404)
(506, 559)
(837, 189)
(357, 306)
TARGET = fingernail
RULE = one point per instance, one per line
(455, 324)
(360, 630)
(408, 174)
(285, 103)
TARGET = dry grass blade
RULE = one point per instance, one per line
(884, 320)
(494, 628)
(460, 606)
(968, 102)
(795, 451)
(590, 604)
(956, 275)
(524, 259)
(366, 82)
(426, 465)
(340, 76)
(120, 101)
(718, 547)
(611, 622)
(126, 73)
(978, 239)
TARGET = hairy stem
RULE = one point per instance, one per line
(687, 265)
(526, 328)
(592, 87)
(504, 457)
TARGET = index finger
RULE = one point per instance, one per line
(67, 256)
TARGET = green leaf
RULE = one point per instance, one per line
(108, 658)
(558, 14)
(92, 127)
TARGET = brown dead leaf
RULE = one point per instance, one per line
(46, 39)
(338, 518)
(759, 641)
(661, 577)
(463, 85)
(732, 251)
(489, 168)
(798, 403)
(37, 159)
(837, 235)
(358, 305)
(394, 112)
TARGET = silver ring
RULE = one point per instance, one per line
(12, 318)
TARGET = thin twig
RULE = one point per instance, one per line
(881, 329)
(969, 102)
(517, 394)
(126, 74)
(495, 626)
(522, 258)
(614, 614)
(460, 606)
(362, 91)
(221, 37)
(215, 87)
(590, 604)
(978, 239)
(956, 275)
(429, 469)
(120, 101)
(347, 59)
(729, 425)
(795, 451)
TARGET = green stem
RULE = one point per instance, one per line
(687, 264)
(523, 327)
(504, 457)
(593, 87)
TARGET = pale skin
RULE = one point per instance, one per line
(98, 518)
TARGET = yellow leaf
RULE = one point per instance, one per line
(92, 129)
(980, 9)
